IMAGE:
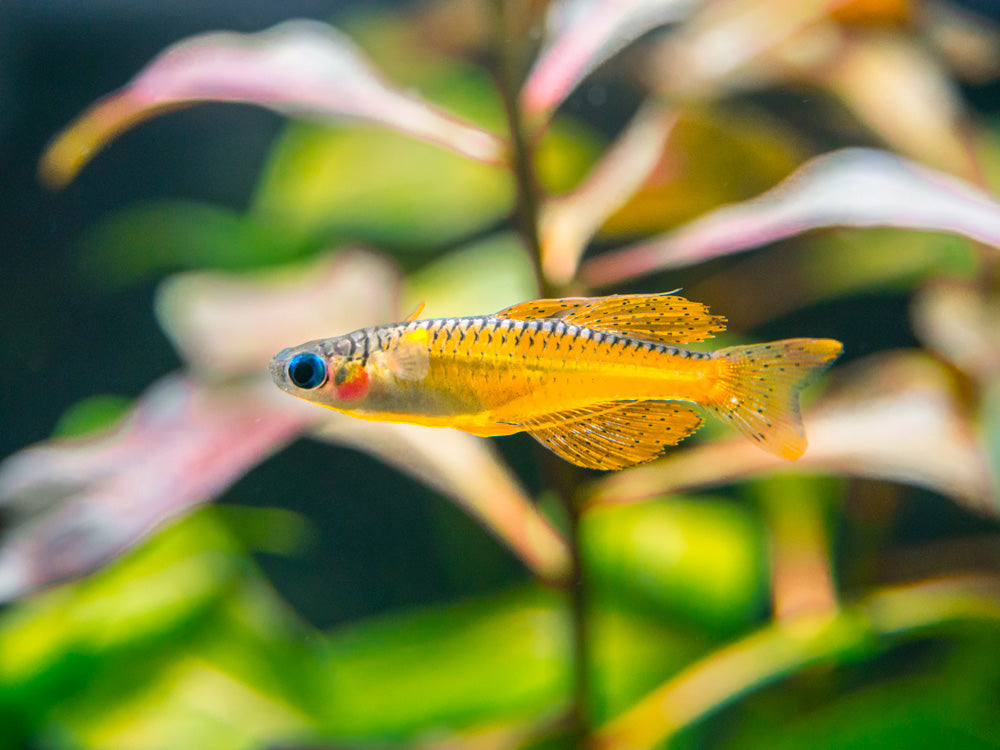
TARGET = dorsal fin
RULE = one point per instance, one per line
(662, 318)
(413, 315)
(615, 434)
(541, 309)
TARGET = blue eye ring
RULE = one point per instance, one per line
(306, 371)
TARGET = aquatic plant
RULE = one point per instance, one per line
(433, 156)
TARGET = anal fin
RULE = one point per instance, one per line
(614, 435)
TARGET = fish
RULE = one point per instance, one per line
(603, 382)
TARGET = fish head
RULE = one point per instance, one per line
(328, 372)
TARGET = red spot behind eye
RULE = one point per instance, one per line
(355, 387)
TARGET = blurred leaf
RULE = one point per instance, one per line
(91, 415)
(225, 325)
(383, 188)
(74, 504)
(273, 530)
(901, 90)
(711, 156)
(565, 152)
(832, 266)
(783, 648)
(633, 654)
(698, 558)
(477, 279)
(569, 221)
(894, 417)
(378, 187)
(120, 623)
(299, 68)
(721, 47)
(798, 534)
(244, 679)
(504, 658)
(937, 705)
(143, 241)
(450, 667)
(144, 596)
(990, 416)
(851, 187)
(580, 35)
(961, 322)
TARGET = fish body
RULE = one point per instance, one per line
(602, 381)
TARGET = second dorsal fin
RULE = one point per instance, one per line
(663, 318)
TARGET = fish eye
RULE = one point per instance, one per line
(307, 371)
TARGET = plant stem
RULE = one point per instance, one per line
(511, 53)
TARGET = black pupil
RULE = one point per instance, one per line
(305, 371)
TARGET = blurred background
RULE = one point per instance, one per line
(350, 589)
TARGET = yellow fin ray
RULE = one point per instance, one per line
(413, 315)
(662, 318)
(760, 397)
(614, 435)
(540, 309)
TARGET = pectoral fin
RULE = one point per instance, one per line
(616, 434)
(408, 357)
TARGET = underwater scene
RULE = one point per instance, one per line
(500, 374)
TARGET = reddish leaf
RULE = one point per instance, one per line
(570, 221)
(584, 33)
(74, 504)
(852, 187)
(226, 324)
(298, 68)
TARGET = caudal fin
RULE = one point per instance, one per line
(760, 395)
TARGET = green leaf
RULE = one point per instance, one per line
(92, 415)
(149, 239)
(450, 667)
(701, 559)
(373, 185)
(478, 279)
(941, 700)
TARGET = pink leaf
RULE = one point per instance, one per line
(584, 33)
(570, 221)
(853, 187)
(724, 46)
(77, 503)
(897, 419)
(298, 68)
(226, 324)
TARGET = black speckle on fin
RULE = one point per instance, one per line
(541, 309)
(614, 435)
(660, 318)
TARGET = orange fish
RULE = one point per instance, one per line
(598, 380)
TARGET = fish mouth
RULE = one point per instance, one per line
(278, 368)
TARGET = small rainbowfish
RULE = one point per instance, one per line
(600, 381)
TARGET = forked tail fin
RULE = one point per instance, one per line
(760, 395)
